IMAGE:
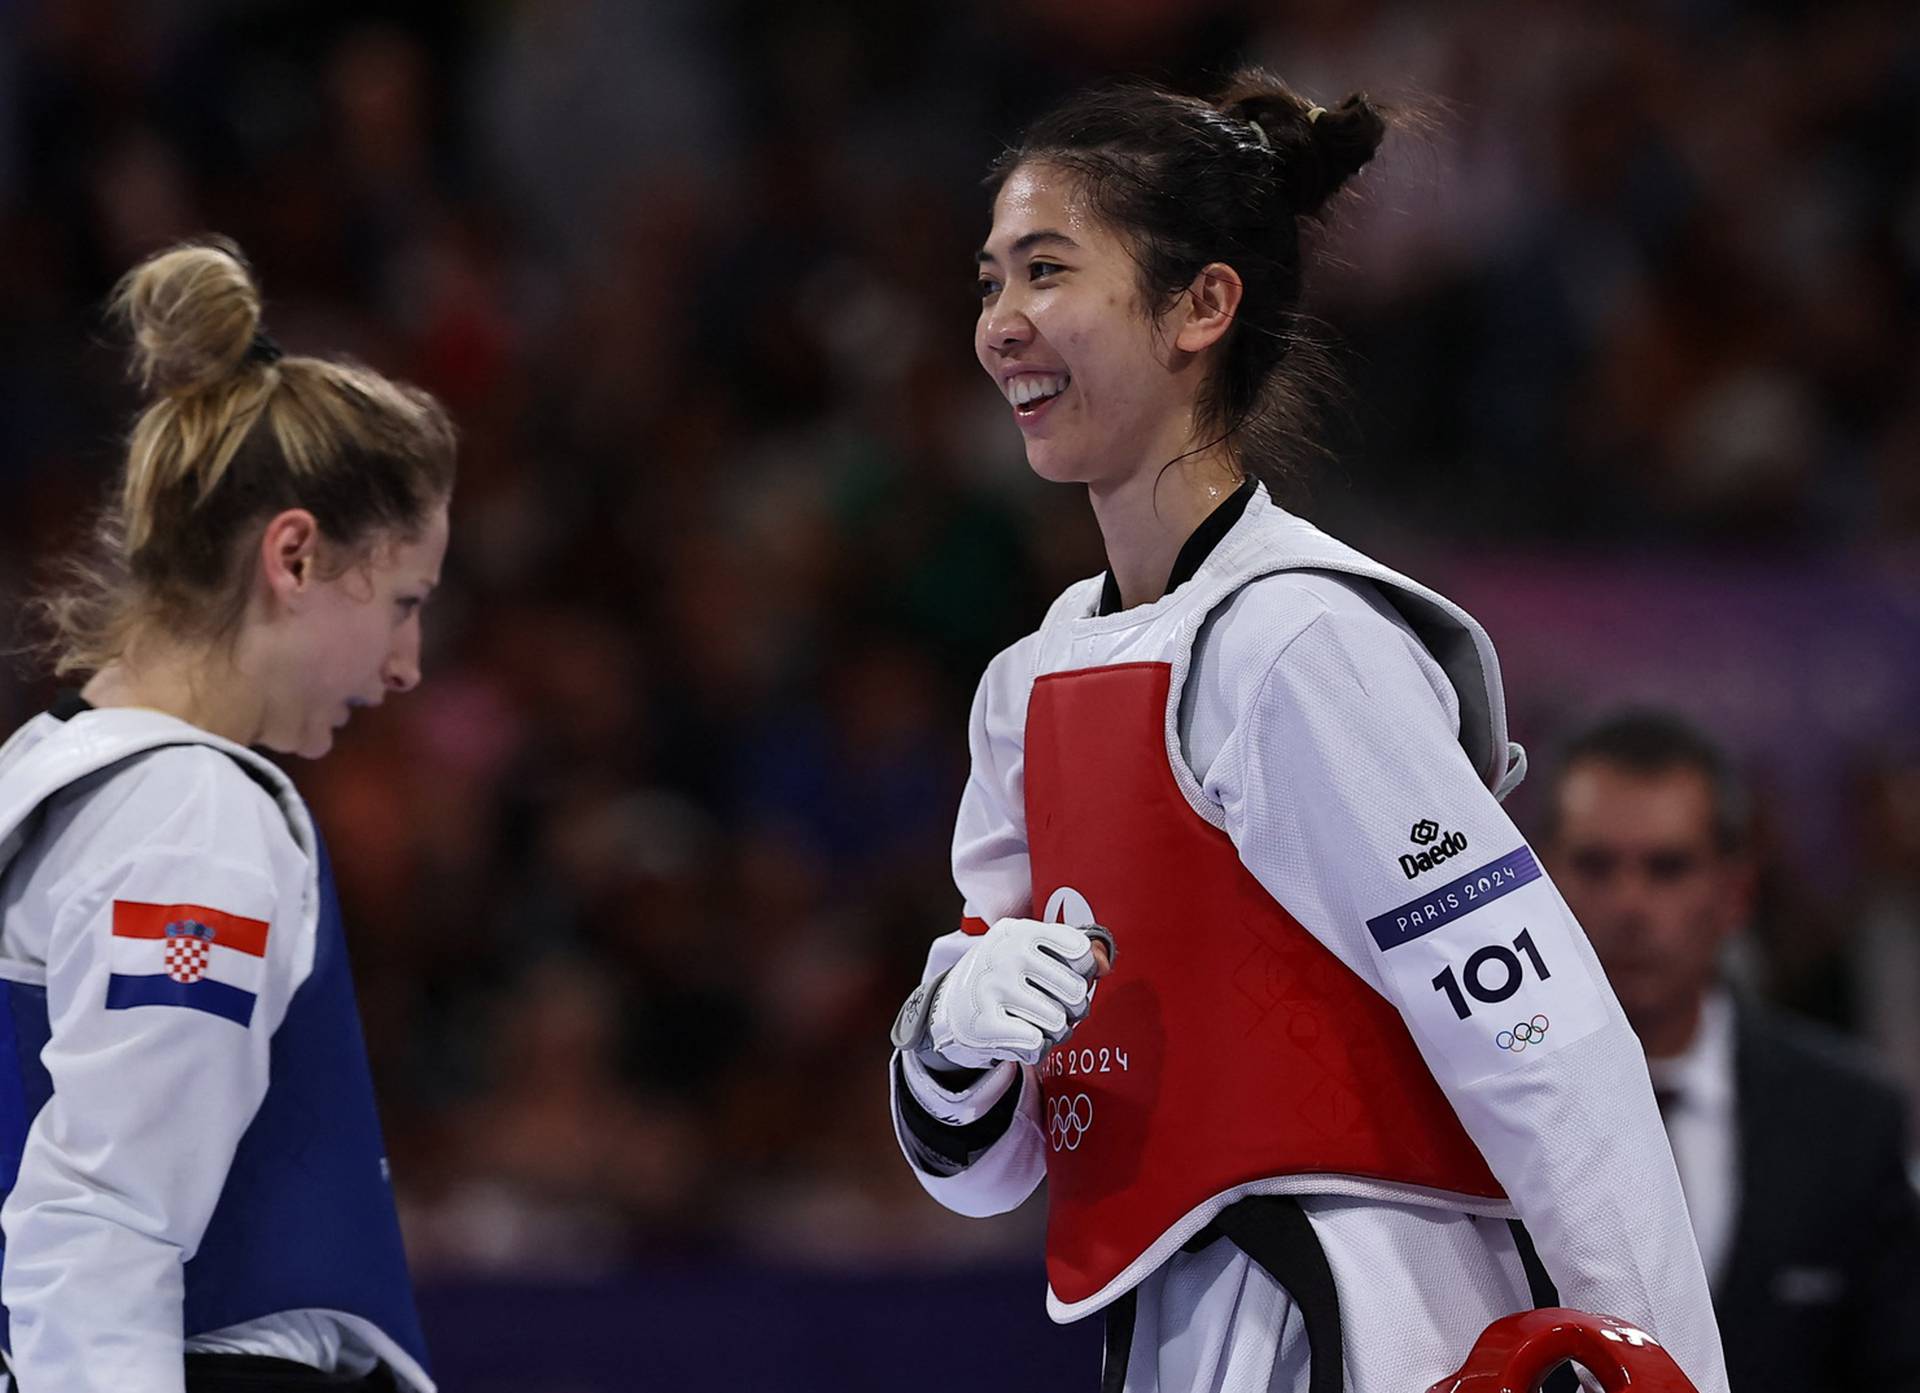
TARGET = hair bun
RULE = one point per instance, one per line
(193, 311)
(1344, 137)
(1320, 149)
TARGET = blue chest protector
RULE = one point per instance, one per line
(306, 1220)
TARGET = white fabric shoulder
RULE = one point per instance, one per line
(1268, 539)
(188, 797)
(1242, 639)
(112, 786)
(47, 755)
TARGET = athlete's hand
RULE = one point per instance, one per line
(1015, 994)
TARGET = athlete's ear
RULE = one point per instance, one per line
(289, 547)
(1206, 311)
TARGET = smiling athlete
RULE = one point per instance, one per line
(196, 1195)
(1348, 1037)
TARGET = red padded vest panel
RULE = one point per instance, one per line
(1228, 1045)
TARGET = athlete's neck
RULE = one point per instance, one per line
(1147, 517)
(202, 689)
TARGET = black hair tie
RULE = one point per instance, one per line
(263, 349)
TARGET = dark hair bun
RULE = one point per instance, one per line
(1320, 148)
(1345, 137)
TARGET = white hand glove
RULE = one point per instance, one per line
(1015, 994)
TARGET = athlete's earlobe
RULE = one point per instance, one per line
(1208, 307)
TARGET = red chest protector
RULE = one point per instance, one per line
(1228, 1045)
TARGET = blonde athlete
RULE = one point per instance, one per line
(196, 1195)
(1354, 1061)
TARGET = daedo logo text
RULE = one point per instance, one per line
(1439, 847)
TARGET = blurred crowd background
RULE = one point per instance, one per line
(637, 878)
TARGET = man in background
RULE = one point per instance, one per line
(1791, 1151)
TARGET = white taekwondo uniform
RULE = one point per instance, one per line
(1345, 729)
(187, 1138)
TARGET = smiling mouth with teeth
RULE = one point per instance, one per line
(1029, 393)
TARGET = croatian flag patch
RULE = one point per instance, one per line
(186, 955)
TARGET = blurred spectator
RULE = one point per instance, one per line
(1791, 1152)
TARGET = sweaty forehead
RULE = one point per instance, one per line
(1037, 197)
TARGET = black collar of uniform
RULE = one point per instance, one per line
(1196, 549)
(68, 703)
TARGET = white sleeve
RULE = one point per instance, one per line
(152, 1090)
(1341, 774)
(990, 863)
(995, 1149)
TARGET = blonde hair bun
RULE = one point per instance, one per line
(193, 311)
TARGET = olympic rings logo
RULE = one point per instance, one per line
(1524, 1034)
(1068, 1120)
